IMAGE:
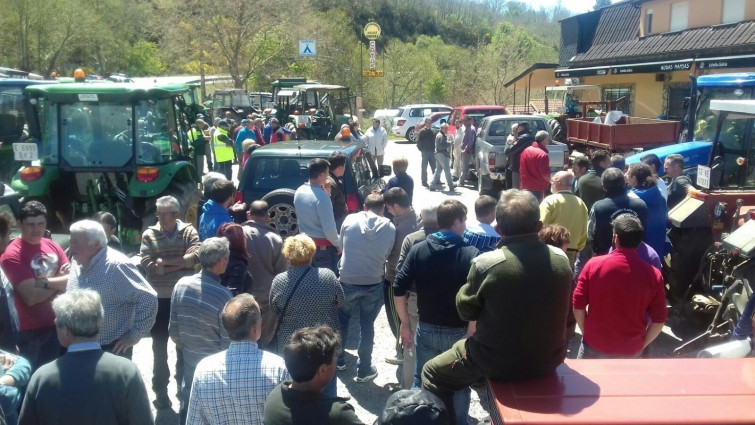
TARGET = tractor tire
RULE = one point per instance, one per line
(410, 135)
(558, 130)
(188, 197)
(283, 218)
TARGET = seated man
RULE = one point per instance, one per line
(514, 339)
(310, 356)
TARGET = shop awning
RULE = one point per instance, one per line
(723, 62)
(537, 76)
(653, 67)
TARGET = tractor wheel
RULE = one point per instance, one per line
(282, 213)
(558, 130)
(188, 197)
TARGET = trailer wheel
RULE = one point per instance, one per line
(558, 130)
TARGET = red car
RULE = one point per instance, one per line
(437, 118)
(478, 112)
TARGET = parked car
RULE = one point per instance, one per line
(405, 122)
(437, 119)
(477, 112)
(275, 171)
(490, 157)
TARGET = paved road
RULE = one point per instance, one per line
(369, 398)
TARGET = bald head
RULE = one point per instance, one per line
(241, 318)
(561, 181)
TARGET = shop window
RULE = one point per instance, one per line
(649, 22)
(676, 94)
(679, 16)
(734, 11)
(617, 92)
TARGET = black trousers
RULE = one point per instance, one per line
(161, 370)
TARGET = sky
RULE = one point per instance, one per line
(576, 6)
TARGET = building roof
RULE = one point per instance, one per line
(616, 39)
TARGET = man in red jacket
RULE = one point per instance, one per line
(534, 167)
(626, 298)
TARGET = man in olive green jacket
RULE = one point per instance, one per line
(519, 296)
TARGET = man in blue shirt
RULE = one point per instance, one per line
(215, 210)
(246, 132)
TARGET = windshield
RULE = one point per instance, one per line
(272, 173)
(12, 116)
(706, 120)
(157, 140)
(95, 134)
(48, 122)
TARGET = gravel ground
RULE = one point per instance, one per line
(369, 398)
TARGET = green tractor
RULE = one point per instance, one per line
(108, 147)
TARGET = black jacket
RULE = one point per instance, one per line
(426, 140)
(439, 267)
(522, 142)
(599, 230)
(236, 277)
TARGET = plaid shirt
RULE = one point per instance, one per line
(129, 302)
(231, 387)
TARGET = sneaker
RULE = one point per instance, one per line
(368, 376)
(162, 401)
(397, 360)
(341, 364)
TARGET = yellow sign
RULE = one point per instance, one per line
(372, 73)
(372, 31)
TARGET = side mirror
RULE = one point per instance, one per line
(385, 170)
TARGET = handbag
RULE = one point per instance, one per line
(285, 305)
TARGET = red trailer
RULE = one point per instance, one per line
(626, 135)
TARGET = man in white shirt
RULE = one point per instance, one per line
(377, 140)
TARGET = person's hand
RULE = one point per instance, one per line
(407, 336)
(6, 361)
(65, 268)
(238, 206)
(122, 344)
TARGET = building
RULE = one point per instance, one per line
(645, 51)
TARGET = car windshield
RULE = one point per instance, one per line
(272, 173)
(12, 116)
(705, 124)
(157, 139)
(93, 134)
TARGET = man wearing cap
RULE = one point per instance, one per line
(223, 147)
(377, 140)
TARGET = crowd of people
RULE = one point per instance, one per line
(260, 324)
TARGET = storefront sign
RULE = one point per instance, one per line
(581, 72)
(729, 62)
(652, 67)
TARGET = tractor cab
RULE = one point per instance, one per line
(321, 109)
(107, 147)
(235, 101)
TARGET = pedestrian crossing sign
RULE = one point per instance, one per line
(307, 48)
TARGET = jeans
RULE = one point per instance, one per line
(442, 165)
(457, 161)
(39, 346)
(428, 158)
(186, 382)
(159, 332)
(390, 313)
(410, 360)
(368, 300)
(587, 352)
(466, 159)
(431, 341)
(743, 329)
(225, 168)
(326, 257)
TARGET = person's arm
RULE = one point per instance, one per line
(57, 283)
(404, 279)
(546, 213)
(19, 372)
(325, 211)
(29, 414)
(225, 340)
(579, 316)
(406, 244)
(280, 263)
(657, 310)
(145, 308)
(225, 139)
(31, 294)
(582, 237)
(471, 329)
(276, 289)
(173, 323)
(340, 296)
(138, 409)
(468, 304)
(384, 140)
(544, 168)
(652, 333)
(591, 226)
(347, 416)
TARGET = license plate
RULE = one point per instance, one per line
(25, 152)
(703, 176)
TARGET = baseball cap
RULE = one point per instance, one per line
(223, 123)
(244, 121)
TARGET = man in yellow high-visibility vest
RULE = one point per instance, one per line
(223, 148)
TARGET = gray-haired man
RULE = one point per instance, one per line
(168, 253)
(130, 303)
(85, 386)
(195, 308)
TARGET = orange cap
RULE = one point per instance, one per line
(346, 133)
(79, 74)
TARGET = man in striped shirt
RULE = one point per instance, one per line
(168, 253)
(195, 307)
(483, 235)
(231, 387)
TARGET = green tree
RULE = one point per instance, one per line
(142, 59)
(599, 4)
